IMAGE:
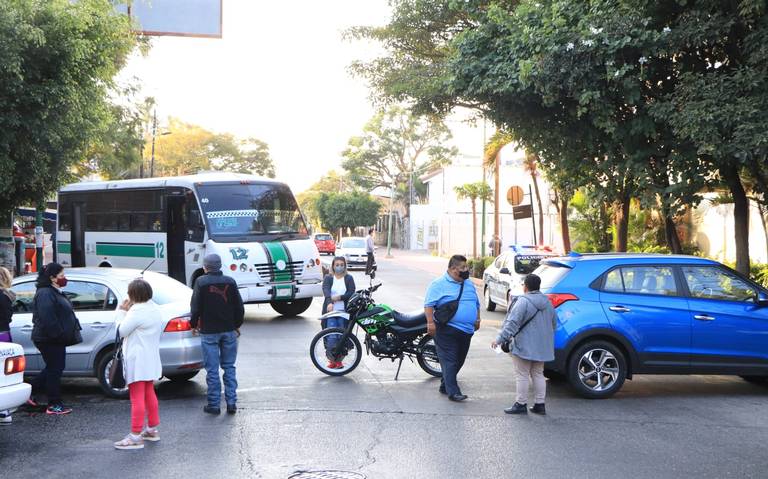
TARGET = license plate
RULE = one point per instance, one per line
(284, 292)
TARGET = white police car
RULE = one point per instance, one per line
(504, 277)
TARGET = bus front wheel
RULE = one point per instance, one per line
(291, 308)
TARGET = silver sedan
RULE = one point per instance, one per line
(95, 294)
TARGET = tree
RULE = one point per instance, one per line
(59, 59)
(116, 154)
(347, 210)
(396, 146)
(249, 156)
(332, 182)
(473, 192)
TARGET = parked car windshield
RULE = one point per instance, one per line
(353, 243)
(167, 290)
(234, 210)
(322, 237)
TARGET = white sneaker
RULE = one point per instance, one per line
(152, 435)
(129, 442)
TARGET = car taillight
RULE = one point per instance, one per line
(558, 299)
(15, 364)
(177, 325)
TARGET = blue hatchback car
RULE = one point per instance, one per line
(626, 314)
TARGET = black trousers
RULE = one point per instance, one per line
(369, 263)
(452, 349)
(49, 380)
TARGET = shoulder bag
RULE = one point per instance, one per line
(116, 373)
(445, 312)
(506, 346)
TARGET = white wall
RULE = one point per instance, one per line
(713, 231)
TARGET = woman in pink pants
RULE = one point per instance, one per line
(140, 324)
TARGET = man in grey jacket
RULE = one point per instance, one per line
(531, 324)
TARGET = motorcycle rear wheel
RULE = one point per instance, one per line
(349, 359)
(427, 357)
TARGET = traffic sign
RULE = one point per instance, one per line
(515, 195)
(522, 212)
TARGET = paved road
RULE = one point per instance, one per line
(293, 418)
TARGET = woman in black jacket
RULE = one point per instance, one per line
(338, 287)
(54, 328)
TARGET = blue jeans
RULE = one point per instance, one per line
(220, 350)
(452, 348)
(333, 322)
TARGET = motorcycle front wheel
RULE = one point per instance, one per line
(321, 352)
(427, 357)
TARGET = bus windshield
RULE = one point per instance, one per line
(235, 210)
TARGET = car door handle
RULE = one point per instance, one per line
(619, 309)
(704, 317)
(26, 329)
(98, 325)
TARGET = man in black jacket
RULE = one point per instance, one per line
(217, 314)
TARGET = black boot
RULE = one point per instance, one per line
(539, 409)
(517, 408)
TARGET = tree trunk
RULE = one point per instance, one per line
(541, 208)
(496, 204)
(474, 228)
(764, 220)
(740, 219)
(621, 222)
(670, 233)
(564, 228)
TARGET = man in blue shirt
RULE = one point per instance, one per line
(453, 339)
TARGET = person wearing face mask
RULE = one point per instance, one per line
(337, 289)
(55, 327)
(454, 337)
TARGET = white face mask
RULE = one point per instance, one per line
(338, 268)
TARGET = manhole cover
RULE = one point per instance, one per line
(326, 475)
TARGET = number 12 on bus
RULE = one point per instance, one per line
(253, 223)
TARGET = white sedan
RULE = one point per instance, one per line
(13, 390)
(353, 250)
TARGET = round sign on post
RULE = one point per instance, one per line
(515, 195)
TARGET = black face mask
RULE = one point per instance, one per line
(464, 274)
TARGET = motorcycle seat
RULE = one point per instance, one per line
(410, 320)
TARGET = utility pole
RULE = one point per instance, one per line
(154, 133)
(482, 224)
(391, 214)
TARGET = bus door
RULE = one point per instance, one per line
(176, 236)
(77, 238)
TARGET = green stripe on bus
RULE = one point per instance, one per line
(278, 253)
(65, 247)
(131, 250)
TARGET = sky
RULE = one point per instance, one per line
(278, 74)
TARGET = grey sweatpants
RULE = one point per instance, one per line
(525, 370)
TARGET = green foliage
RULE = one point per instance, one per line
(590, 224)
(474, 191)
(333, 182)
(346, 210)
(58, 61)
(759, 273)
(478, 265)
(191, 148)
(395, 146)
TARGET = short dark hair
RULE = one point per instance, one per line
(456, 260)
(370, 231)
(139, 291)
(532, 282)
(49, 271)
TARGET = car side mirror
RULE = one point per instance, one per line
(504, 270)
(762, 298)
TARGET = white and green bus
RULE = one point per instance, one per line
(170, 224)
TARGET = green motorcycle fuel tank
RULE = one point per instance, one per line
(375, 318)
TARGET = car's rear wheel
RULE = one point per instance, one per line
(102, 374)
(182, 377)
(597, 369)
(291, 308)
(489, 304)
(756, 379)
